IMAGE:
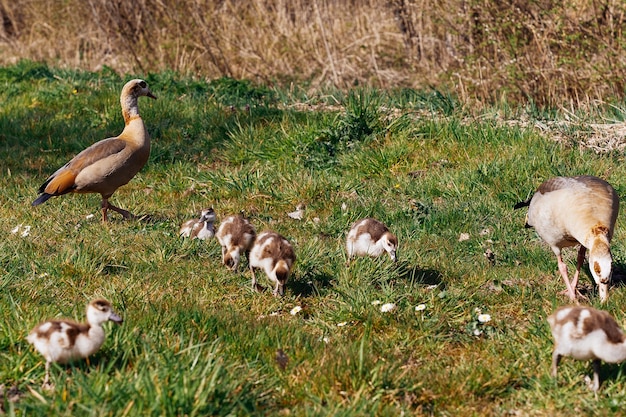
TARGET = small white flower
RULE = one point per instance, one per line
(326, 339)
(431, 287)
(295, 310)
(388, 307)
(90, 216)
(26, 231)
(477, 332)
(477, 310)
(344, 207)
(376, 302)
(16, 229)
(484, 318)
(343, 323)
(420, 307)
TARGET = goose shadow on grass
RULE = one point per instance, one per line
(309, 284)
(415, 274)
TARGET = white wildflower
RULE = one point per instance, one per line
(376, 302)
(326, 339)
(295, 310)
(477, 332)
(388, 307)
(90, 216)
(420, 307)
(484, 318)
(343, 323)
(344, 207)
(16, 229)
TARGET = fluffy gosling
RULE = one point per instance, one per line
(370, 237)
(236, 235)
(585, 333)
(202, 228)
(64, 340)
(275, 255)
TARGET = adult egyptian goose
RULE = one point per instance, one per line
(65, 340)
(570, 211)
(202, 228)
(275, 255)
(585, 333)
(106, 165)
(370, 237)
(236, 235)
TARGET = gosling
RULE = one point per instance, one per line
(585, 333)
(236, 235)
(202, 228)
(65, 340)
(370, 237)
(276, 256)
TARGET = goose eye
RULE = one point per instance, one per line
(143, 84)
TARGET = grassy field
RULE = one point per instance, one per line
(198, 341)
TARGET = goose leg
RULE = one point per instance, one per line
(563, 270)
(596, 375)
(46, 381)
(579, 264)
(106, 205)
(556, 358)
(255, 285)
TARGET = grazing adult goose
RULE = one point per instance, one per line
(65, 340)
(202, 228)
(106, 165)
(236, 235)
(571, 211)
(370, 237)
(274, 254)
(585, 333)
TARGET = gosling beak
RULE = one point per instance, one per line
(116, 319)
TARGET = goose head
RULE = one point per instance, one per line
(600, 264)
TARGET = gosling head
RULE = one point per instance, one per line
(100, 311)
(390, 244)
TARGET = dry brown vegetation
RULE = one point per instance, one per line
(552, 52)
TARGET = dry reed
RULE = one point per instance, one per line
(546, 51)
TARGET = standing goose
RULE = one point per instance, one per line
(585, 333)
(370, 237)
(275, 255)
(201, 228)
(571, 211)
(65, 340)
(106, 165)
(236, 235)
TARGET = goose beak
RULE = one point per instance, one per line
(152, 96)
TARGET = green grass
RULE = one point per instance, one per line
(197, 341)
